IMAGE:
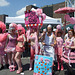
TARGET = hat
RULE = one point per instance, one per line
(58, 26)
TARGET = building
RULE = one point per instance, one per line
(70, 3)
(2, 17)
(49, 10)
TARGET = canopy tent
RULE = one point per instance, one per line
(20, 19)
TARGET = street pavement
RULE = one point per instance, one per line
(25, 64)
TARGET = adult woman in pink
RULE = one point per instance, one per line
(3, 37)
(59, 46)
(11, 45)
(20, 46)
(34, 44)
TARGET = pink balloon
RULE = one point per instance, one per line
(44, 16)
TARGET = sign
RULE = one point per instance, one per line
(43, 65)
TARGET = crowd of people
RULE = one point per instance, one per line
(51, 42)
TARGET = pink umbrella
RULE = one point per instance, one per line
(64, 10)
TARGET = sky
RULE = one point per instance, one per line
(14, 8)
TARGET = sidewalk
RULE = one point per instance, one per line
(25, 62)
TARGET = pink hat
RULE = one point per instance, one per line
(58, 26)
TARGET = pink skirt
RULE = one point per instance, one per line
(71, 57)
(10, 49)
(20, 49)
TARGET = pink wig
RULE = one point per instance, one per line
(2, 26)
(19, 27)
(13, 25)
(3, 36)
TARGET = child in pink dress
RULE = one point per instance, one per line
(3, 37)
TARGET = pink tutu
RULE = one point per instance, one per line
(10, 49)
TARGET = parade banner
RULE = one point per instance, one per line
(43, 65)
(31, 18)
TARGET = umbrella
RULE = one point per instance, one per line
(64, 10)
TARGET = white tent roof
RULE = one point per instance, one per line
(20, 19)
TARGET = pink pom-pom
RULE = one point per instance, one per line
(3, 37)
(58, 26)
(2, 26)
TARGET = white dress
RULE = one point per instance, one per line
(49, 50)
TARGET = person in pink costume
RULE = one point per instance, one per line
(11, 45)
(3, 37)
(20, 46)
(69, 53)
(59, 47)
(34, 44)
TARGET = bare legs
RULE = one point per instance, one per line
(18, 61)
(31, 58)
(59, 61)
(1, 61)
(11, 56)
